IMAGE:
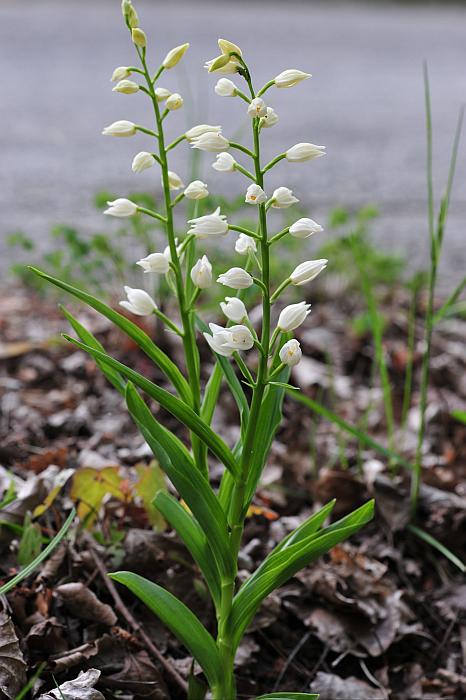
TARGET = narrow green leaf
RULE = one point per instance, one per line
(189, 531)
(277, 569)
(189, 482)
(133, 331)
(433, 542)
(42, 556)
(89, 339)
(172, 404)
(360, 435)
(459, 416)
(179, 619)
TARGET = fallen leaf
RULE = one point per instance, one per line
(81, 688)
(333, 687)
(84, 604)
(12, 665)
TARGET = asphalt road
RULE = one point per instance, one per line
(365, 103)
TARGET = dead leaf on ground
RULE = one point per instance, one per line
(333, 687)
(84, 604)
(12, 665)
(81, 688)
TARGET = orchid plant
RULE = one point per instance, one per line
(210, 518)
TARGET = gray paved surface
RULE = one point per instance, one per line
(365, 102)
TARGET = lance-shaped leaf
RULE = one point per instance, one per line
(179, 619)
(195, 540)
(89, 339)
(172, 404)
(133, 331)
(194, 488)
(279, 566)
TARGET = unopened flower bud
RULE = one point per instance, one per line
(307, 271)
(225, 88)
(174, 56)
(175, 101)
(201, 273)
(174, 181)
(121, 208)
(282, 198)
(155, 262)
(139, 37)
(303, 228)
(120, 128)
(120, 73)
(127, 87)
(161, 94)
(201, 129)
(289, 78)
(214, 224)
(129, 13)
(225, 163)
(236, 278)
(139, 302)
(211, 142)
(304, 151)
(228, 47)
(196, 190)
(293, 316)
(245, 244)
(269, 119)
(234, 309)
(142, 161)
(290, 353)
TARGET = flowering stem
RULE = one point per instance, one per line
(153, 214)
(240, 169)
(237, 511)
(278, 236)
(168, 322)
(177, 200)
(187, 317)
(265, 87)
(149, 132)
(175, 143)
(239, 147)
(279, 290)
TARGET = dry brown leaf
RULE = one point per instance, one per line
(81, 688)
(84, 604)
(12, 665)
(333, 687)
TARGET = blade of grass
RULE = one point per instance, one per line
(363, 437)
(436, 246)
(452, 299)
(438, 546)
(42, 556)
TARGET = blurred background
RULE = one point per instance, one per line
(365, 102)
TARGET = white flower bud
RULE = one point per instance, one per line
(234, 309)
(201, 129)
(139, 302)
(225, 88)
(211, 142)
(129, 13)
(139, 37)
(127, 87)
(120, 73)
(289, 78)
(269, 119)
(307, 271)
(167, 251)
(174, 56)
(121, 207)
(257, 107)
(227, 47)
(225, 341)
(225, 163)
(174, 181)
(282, 198)
(142, 161)
(161, 94)
(175, 101)
(303, 228)
(196, 190)
(293, 316)
(304, 151)
(245, 244)
(201, 273)
(214, 224)
(290, 353)
(236, 278)
(120, 128)
(155, 262)
(222, 64)
(255, 195)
